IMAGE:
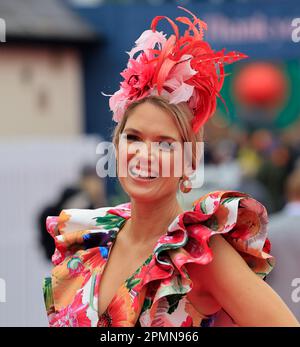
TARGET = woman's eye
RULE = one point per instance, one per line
(166, 146)
(163, 145)
(130, 137)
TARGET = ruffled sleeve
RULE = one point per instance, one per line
(80, 236)
(241, 220)
(76, 229)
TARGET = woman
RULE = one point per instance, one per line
(147, 262)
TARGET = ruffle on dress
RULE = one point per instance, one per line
(80, 234)
(239, 218)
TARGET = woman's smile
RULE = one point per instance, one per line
(141, 176)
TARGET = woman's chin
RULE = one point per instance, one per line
(148, 189)
(142, 189)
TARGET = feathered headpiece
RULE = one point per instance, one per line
(181, 69)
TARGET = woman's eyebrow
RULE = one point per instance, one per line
(158, 136)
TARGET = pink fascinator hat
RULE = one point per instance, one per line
(180, 68)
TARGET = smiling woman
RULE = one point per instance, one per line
(147, 262)
(160, 161)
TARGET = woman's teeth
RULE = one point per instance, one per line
(141, 174)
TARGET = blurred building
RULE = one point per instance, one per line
(42, 142)
(41, 89)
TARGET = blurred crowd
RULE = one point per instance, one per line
(265, 165)
(257, 163)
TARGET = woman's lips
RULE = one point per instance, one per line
(144, 180)
(141, 176)
(136, 171)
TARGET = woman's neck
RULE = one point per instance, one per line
(150, 220)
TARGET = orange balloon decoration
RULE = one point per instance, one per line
(262, 85)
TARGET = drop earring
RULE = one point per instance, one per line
(185, 184)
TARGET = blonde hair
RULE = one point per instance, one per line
(182, 115)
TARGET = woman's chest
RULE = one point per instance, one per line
(118, 270)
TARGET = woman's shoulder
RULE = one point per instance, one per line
(242, 221)
(224, 227)
(232, 219)
(227, 228)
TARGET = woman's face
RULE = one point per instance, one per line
(148, 143)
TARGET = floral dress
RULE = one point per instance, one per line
(155, 295)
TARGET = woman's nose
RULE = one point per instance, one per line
(145, 148)
(148, 154)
